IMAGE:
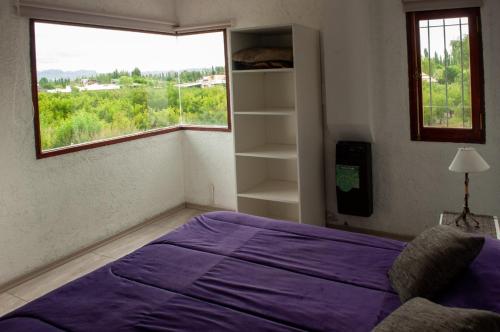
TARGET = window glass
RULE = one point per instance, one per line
(202, 79)
(444, 61)
(97, 84)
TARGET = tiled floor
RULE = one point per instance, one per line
(36, 287)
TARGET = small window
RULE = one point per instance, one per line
(446, 76)
(95, 86)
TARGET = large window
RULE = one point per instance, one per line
(95, 86)
(446, 76)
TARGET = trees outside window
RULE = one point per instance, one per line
(446, 75)
(96, 86)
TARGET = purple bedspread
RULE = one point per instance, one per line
(225, 271)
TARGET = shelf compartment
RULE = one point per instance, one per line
(268, 209)
(272, 111)
(257, 71)
(264, 91)
(273, 190)
(258, 130)
(271, 151)
(278, 36)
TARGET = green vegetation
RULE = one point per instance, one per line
(139, 102)
(442, 83)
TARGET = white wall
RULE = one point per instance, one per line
(366, 96)
(209, 169)
(162, 10)
(52, 207)
(250, 13)
(411, 179)
(348, 75)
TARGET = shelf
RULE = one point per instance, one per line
(274, 111)
(276, 191)
(256, 71)
(273, 151)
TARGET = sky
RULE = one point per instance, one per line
(437, 35)
(72, 48)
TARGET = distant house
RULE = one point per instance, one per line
(426, 77)
(205, 82)
(209, 81)
(86, 81)
(188, 85)
(89, 87)
(67, 89)
(98, 87)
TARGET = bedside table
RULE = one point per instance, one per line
(488, 225)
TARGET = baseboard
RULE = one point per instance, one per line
(37, 272)
(206, 208)
(405, 238)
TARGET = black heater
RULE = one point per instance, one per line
(353, 172)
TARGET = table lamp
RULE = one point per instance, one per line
(468, 160)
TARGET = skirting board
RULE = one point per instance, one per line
(405, 238)
(88, 249)
(17, 281)
(205, 208)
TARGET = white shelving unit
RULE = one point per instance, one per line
(278, 128)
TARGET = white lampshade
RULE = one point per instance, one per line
(467, 160)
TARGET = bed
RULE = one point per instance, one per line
(226, 271)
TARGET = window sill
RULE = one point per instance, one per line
(121, 139)
(450, 136)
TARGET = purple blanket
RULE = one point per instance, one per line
(225, 271)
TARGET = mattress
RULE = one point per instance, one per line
(225, 271)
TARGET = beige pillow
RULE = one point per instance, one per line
(263, 54)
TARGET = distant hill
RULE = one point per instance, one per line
(54, 74)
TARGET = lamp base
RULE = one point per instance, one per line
(466, 214)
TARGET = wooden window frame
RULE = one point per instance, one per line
(457, 135)
(40, 154)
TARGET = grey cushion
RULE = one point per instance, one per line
(432, 261)
(421, 315)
